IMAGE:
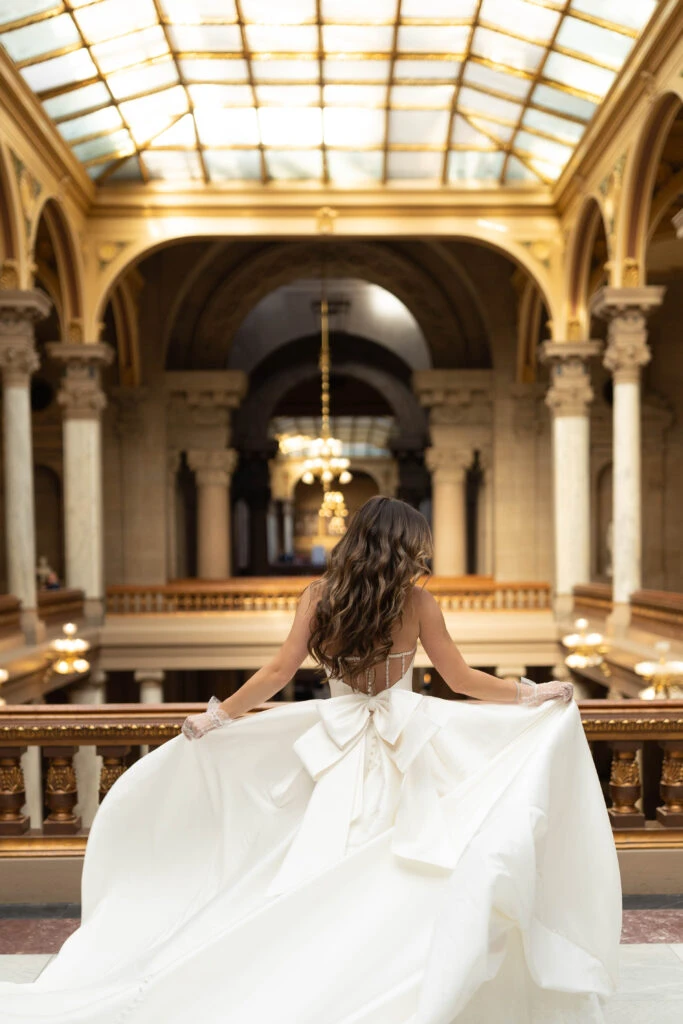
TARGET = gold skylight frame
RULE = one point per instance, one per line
(492, 93)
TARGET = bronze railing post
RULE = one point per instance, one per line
(625, 786)
(12, 792)
(113, 766)
(671, 785)
(61, 792)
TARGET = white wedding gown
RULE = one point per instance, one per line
(396, 859)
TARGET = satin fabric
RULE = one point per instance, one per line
(396, 859)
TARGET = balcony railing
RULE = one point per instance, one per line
(637, 746)
(272, 593)
(656, 611)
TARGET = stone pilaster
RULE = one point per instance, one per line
(626, 310)
(568, 399)
(448, 467)
(82, 400)
(19, 312)
(213, 469)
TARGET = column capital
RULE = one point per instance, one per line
(19, 312)
(213, 466)
(448, 465)
(626, 310)
(455, 396)
(81, 395)
(570, 392)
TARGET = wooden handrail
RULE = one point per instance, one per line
(60, 605)
(10, 607)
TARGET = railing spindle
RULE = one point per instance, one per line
(625, 786)
(113, 766)
(12, 792)
(671, 786)
(61, 792)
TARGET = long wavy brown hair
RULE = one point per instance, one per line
(363, 593)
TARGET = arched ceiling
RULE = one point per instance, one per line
(356, 307)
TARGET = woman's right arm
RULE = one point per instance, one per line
(457, 674)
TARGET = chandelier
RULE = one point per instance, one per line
(665, 677)
(70, 651)
(587, 649)
(334, 509)
(323, 459)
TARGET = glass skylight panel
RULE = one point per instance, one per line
(542, 149)
(356, 70)
(273, 12)
(357, 38)
(550, 172)
(354, 95)
(89, 96)
(563, 102)
(288, 95)
(216, 95)
(51, 74)
(456, 9)
(145, 78)
(293, 165)
(354, 168)
(629, 13)
(491, 106)
(129, 170)
(426, 69)
(118, 143)
(502, 49)
(206, 38)
(173, 166)
(180, 135)
(497, 81)
(358, 10)
(111, 18)
(433, 38)
(424, 166)
(196, 12)
(578, 73)
(437, 96)
(475, 166)
(418, 127)
(14, 10)
(517, 171)
(466, 134)
(216, 70)
(598, 43)
(132, 49)
(502, 132)
(282, 38)
(223, 127)
(522, 18)
(148, 115)
(297, 126)
(350, 126)
(233, 165)
(562, 129)
(285, 70)
(42, 37)
(105, 120)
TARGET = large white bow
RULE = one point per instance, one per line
(333, 753)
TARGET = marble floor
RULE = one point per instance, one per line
(651, 954)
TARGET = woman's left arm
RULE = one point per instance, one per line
(265, 683)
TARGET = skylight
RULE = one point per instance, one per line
(346, 92)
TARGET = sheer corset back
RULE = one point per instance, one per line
(338, 687)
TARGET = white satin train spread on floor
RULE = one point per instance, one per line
(395, 859)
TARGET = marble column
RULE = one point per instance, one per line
(213, 469)
(288, 528)
(448, 468)
(87, 762)
(485, 506)
(568, 399)
(172, 466)
(627, 351)
(19, 312)
(151, 683)
(82, 401)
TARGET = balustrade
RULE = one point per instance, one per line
(630, 740)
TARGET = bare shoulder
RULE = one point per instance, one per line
(423, 600)
(311, 594)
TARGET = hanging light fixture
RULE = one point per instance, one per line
(323, 458)
(70, 650)
(587, 649)
(664, 677)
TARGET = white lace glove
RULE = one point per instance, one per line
(196, 726)
(535, 694)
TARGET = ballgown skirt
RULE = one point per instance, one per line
(398, 859)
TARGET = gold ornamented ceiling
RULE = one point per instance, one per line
(345, 92)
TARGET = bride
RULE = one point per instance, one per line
(380, 857)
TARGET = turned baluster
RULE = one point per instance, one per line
(61, 792)
(625, 787)
(113, 766)
(12, 792)
(671, 785)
